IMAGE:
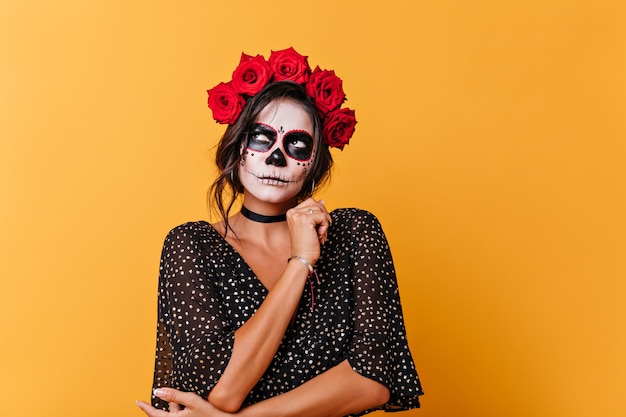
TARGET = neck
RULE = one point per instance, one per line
(261, 218)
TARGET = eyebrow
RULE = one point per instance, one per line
(298, 134)
(266, 130)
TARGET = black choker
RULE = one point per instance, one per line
(256, 217)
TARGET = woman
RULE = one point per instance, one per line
(282, 308)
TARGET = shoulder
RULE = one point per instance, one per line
(355, 223)
(197, 232)
(353, 217)
(190, 228)
(188, 251)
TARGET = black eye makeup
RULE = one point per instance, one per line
(262, 138)
(298, 144)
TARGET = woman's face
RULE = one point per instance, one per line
(277, 153)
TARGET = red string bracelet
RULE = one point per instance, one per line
(312, 272)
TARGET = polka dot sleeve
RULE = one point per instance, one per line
(378, 349)
(194, 335)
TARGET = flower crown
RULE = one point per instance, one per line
(226, 100)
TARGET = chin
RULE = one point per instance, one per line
(272, 194)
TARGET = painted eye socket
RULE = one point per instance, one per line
(298, 144)
(261, 138)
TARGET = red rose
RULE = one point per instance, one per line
(225, 103)
(338, 128)
(252, 74)
(289, 65)
(326, 89)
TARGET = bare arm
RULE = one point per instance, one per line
(336, 392)
(257, 341)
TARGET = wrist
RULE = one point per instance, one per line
(312, 273)
(303, 261)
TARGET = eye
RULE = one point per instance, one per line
(262, 138)
(298, 145)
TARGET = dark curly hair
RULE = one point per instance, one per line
(227, 187)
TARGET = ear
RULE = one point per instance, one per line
(242, 152)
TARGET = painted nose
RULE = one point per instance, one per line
(276, 158)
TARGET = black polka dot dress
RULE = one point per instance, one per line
(207, 291)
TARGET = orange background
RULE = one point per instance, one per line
(490, 144)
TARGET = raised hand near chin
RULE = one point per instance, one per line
(308, 227)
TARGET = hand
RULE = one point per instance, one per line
(308, 227)
(195, 406)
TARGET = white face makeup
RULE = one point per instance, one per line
(298, 144)
(278, 153)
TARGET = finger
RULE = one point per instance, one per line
(174, 407)
(318, 216)
(172, 395)
(311, 203)
(315, 209)
(323, 238)
(322, 235)
(323, 227)
(309, 214)
(150, 410)
(322, 230)
(308, 202)
(322, 205)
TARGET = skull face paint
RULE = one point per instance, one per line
(297, 143)
(277, 153)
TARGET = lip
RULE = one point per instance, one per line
(272, 179)
(268, 181)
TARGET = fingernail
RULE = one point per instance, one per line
(159, 392)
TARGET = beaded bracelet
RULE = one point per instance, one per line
(312, 272)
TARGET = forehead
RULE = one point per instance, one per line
(286, 114)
